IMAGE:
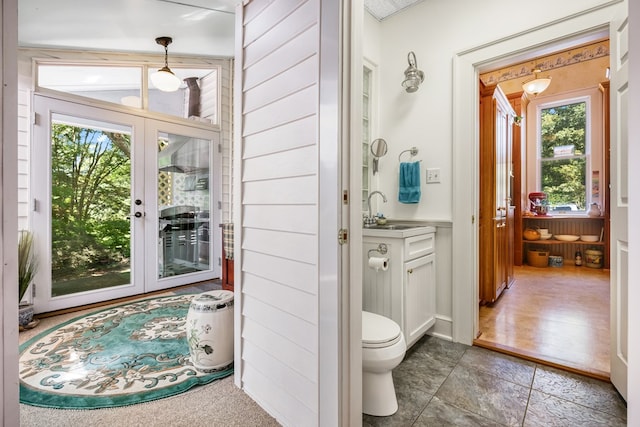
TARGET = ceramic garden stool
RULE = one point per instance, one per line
(210, 330)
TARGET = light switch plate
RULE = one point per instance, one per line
(433, 175)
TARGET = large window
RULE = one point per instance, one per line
(564, 155)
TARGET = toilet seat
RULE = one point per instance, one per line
(379, 331)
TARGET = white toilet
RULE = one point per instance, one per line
(383, 348)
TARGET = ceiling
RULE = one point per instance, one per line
(198, 27)
(382, 9)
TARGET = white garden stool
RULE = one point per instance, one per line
(210, 330)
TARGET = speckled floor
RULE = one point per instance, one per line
(440, 383)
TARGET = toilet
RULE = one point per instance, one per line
(383, 348)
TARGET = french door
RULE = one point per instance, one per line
(122, 204)
(181, 200)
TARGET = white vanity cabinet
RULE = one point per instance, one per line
(406, 291)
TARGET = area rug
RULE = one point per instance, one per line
(132, 353)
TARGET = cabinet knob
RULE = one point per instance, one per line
(410, 271)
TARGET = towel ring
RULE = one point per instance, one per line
(413, 151)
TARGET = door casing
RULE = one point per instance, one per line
(467, 65)
(144, 167)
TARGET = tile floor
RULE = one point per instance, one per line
(441, 383)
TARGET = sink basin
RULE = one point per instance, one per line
(391, 227)
(396, 230)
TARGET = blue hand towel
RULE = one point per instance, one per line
(409, 185)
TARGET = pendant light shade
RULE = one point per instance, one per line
(412, 75)
(536, 85)
(164, 79)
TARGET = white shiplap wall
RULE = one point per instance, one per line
(278, 210)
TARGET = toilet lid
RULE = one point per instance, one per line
(378, 331)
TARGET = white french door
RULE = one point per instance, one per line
(181, 197)
(105, 206)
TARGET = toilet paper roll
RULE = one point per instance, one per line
(379, 263)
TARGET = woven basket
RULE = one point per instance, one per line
(538, 258)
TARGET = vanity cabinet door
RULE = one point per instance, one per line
(420, 297)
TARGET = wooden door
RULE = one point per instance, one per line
(495, 236)
(503, 140)
(518, 202)
(486, 211)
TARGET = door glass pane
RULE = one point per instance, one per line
(90, 205)
(184, 201)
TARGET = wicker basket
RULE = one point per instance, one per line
(538, 258)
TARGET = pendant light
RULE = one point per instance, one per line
(164, 79)
(537, 85)
(412, 76)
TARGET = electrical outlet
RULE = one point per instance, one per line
(433, 175)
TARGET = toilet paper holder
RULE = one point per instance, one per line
(382, 249)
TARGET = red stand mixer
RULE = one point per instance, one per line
(537, 203)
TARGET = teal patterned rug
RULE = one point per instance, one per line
(132, 353)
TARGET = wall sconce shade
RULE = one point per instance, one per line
(412, 75)
(164, 79)
(536, 85)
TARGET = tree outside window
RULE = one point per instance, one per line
(563, 156)
(90, 206)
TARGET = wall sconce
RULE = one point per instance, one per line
(164, 79)
(412, 76)
(536, 85)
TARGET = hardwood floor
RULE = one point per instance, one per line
(554, 315)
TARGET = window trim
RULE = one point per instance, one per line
(372, 68)
(594, 140)
(587, 144)
(145, 64)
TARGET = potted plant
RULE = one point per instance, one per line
(27, 267)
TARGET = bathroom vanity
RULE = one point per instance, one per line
(406, 291)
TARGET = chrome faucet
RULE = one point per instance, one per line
(369, 219)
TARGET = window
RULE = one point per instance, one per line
(366, 133)
(563, 152)
(122, 84)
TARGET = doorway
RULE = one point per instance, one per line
(123, 204)
(555, 291)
